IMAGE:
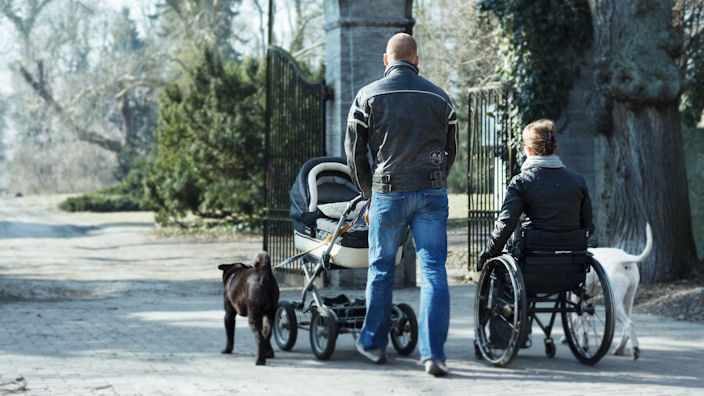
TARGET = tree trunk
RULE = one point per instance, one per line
(643, 174)
(645, 181)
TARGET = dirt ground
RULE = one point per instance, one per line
(47, 254)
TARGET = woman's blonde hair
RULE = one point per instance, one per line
(540, 137)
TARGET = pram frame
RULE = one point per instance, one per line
(326, 318)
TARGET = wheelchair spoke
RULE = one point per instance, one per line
(498, 313)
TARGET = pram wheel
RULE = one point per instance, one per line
(323, 333)
(285, 326)
(404, 329)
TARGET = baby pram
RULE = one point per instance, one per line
(329, 229)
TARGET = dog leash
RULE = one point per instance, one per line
(327, 240)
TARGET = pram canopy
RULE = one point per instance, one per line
(320, 195)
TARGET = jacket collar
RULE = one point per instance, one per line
(399, 65)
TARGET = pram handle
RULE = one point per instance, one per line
(340, 229)
(352, 205)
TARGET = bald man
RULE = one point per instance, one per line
(400, 142)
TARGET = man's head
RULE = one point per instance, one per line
(400, 47)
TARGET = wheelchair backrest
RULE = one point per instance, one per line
(534, 241)
(552, 261)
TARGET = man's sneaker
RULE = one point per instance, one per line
(436, 367)
(376, 355)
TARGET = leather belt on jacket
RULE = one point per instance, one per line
(386, 183)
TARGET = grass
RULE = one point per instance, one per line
(458, 206)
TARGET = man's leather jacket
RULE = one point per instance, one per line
(553, 199)
(401, 133)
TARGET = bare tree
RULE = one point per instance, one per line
(298, 28)
(457, 50)
(88, 79)
(457, 47)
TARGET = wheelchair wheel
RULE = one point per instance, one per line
(500, 311)
(404, 329)
(285, 326)
(323, 333)
(590, 330)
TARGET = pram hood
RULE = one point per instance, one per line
(322, 193)
(321, 180)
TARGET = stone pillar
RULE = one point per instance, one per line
(356, 32)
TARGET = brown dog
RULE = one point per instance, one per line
(251, 291)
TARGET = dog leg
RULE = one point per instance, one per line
(625, 322)
(628, 334)
(255, 323)
(620, 284)
(230, 316)
(628, 302)
(267, 331)
(634, 342)
(624, 297)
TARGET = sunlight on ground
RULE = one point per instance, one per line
(458, 205)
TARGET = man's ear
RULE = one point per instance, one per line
(416, 60)
(386, 60)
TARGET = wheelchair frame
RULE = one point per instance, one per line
(504, 313)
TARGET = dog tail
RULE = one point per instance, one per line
(262, 262)
(648, 245)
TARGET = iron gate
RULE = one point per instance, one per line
(295, 132)
(492, 161)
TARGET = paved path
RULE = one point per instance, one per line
(98, 319)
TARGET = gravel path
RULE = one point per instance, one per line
(99, 304)
(103, 262)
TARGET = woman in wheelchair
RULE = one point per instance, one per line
(548, 258)
(552, 197)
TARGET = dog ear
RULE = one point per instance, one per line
(226, 267)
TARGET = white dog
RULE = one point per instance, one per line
(622, 269)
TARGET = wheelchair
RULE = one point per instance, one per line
(551, 273)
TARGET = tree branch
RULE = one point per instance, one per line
(83, 134)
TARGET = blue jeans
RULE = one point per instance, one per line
(390, 215)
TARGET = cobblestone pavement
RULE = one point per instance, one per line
(112, 311)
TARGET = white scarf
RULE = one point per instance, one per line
(542, 161)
